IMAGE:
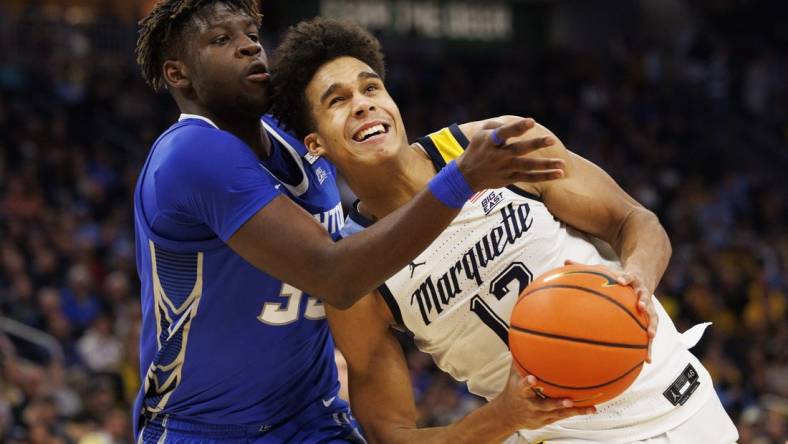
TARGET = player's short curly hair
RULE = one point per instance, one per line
(306, 47)
(162, 32)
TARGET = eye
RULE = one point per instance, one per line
(220, 40)
(254, 37)
(371, 87)
(335, 100)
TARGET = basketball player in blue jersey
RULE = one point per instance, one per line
(456, 297)
(233, 349)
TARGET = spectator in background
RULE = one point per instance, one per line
(99, 348)
(80, 304)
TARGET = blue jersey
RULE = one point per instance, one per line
(223, 342)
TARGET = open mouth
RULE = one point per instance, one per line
(258, 72)
(259, 77)
(369, 132)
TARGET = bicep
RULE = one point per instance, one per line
(221, 184)
(282, 239)
(381, 393)
(589, 199)
(586, 198)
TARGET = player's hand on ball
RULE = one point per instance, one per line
(633, 279)
(520, 407)
(494, 160)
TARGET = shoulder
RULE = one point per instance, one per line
(203, 139)
(471, 128)
(555, 151)
(200, 148)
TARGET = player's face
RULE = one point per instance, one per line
(357, 122)
(230, 65)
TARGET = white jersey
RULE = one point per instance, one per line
(456, 298)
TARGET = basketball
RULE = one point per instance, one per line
(580, 334)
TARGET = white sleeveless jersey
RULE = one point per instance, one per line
(456, 298)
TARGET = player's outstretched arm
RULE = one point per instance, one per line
(284, 241)
(588, 199)
(382, 394)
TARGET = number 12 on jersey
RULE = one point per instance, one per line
(516, 272)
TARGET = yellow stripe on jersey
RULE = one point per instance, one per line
(447, 144)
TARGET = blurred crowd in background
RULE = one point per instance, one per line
(697, 131)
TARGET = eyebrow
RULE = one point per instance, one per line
(247, 21)
(334, 86)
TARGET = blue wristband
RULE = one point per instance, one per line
(450, 186)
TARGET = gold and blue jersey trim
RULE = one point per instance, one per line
(445, 145)
(177, 291)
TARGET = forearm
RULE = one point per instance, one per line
(283, 240)
(361, 262)
(483, 425)
(643, 246)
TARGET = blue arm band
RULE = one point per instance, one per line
(450, 186)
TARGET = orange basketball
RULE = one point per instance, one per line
(580, 334)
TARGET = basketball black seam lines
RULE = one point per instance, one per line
(583, 340)
(569, 387)
(610, 279)
(594, 292)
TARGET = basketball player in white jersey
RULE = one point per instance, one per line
(457, 296)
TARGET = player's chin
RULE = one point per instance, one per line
(257, 101)
(379, 153)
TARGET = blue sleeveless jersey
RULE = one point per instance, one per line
(223, 342)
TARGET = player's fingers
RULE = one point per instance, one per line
(625, 279)
(645, 305)
(527, 389)
(522, 147)
(644, 302)
(526, 386)
(483, 137)
(550, 405)
(500, 134)
(491, 124)
(532, 164)
(526, 164)
(534, 393)
(536, 176)
(574, 411)
(654, 321)
(643, 308)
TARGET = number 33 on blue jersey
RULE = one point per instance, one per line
(286, 312)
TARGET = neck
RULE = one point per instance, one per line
(387, 186)
(242, 125)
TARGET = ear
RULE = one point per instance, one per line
(176, 74)
(314, 144)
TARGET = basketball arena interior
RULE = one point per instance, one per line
(683, 102)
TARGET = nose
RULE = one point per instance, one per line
(362, 105)
(249, 48)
